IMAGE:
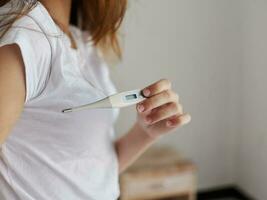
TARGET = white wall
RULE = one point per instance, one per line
(214, 52)
(253, 150)
(197, 45)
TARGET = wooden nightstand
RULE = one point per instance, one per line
(159, 173)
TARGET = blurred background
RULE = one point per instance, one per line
(215, 54)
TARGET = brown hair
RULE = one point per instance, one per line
(102, 18)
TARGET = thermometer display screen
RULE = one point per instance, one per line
(131, 96)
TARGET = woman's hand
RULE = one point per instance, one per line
(161, 112)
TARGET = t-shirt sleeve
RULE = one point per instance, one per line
(35, 51)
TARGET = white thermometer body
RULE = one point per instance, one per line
(118, 100)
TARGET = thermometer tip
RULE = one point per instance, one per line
(67, 110)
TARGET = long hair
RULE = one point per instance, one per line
(101, 18)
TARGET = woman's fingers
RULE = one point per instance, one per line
(157, 100)
(178, 120)
(163, 112)
(157, 87)
(161, 128)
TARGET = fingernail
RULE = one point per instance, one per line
(169, 123)
(146, 92)
(189, 118)
(141, 108)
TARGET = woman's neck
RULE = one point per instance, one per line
(59, 11)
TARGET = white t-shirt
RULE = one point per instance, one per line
(50, 155)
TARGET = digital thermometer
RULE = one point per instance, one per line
(118, 100)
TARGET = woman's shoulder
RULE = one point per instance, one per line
(26, 30)
(35, 20)
(30, 32)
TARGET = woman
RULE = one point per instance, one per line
(51, 59)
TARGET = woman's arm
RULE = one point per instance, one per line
(12, 88)
(161, 107)
(131, 145)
